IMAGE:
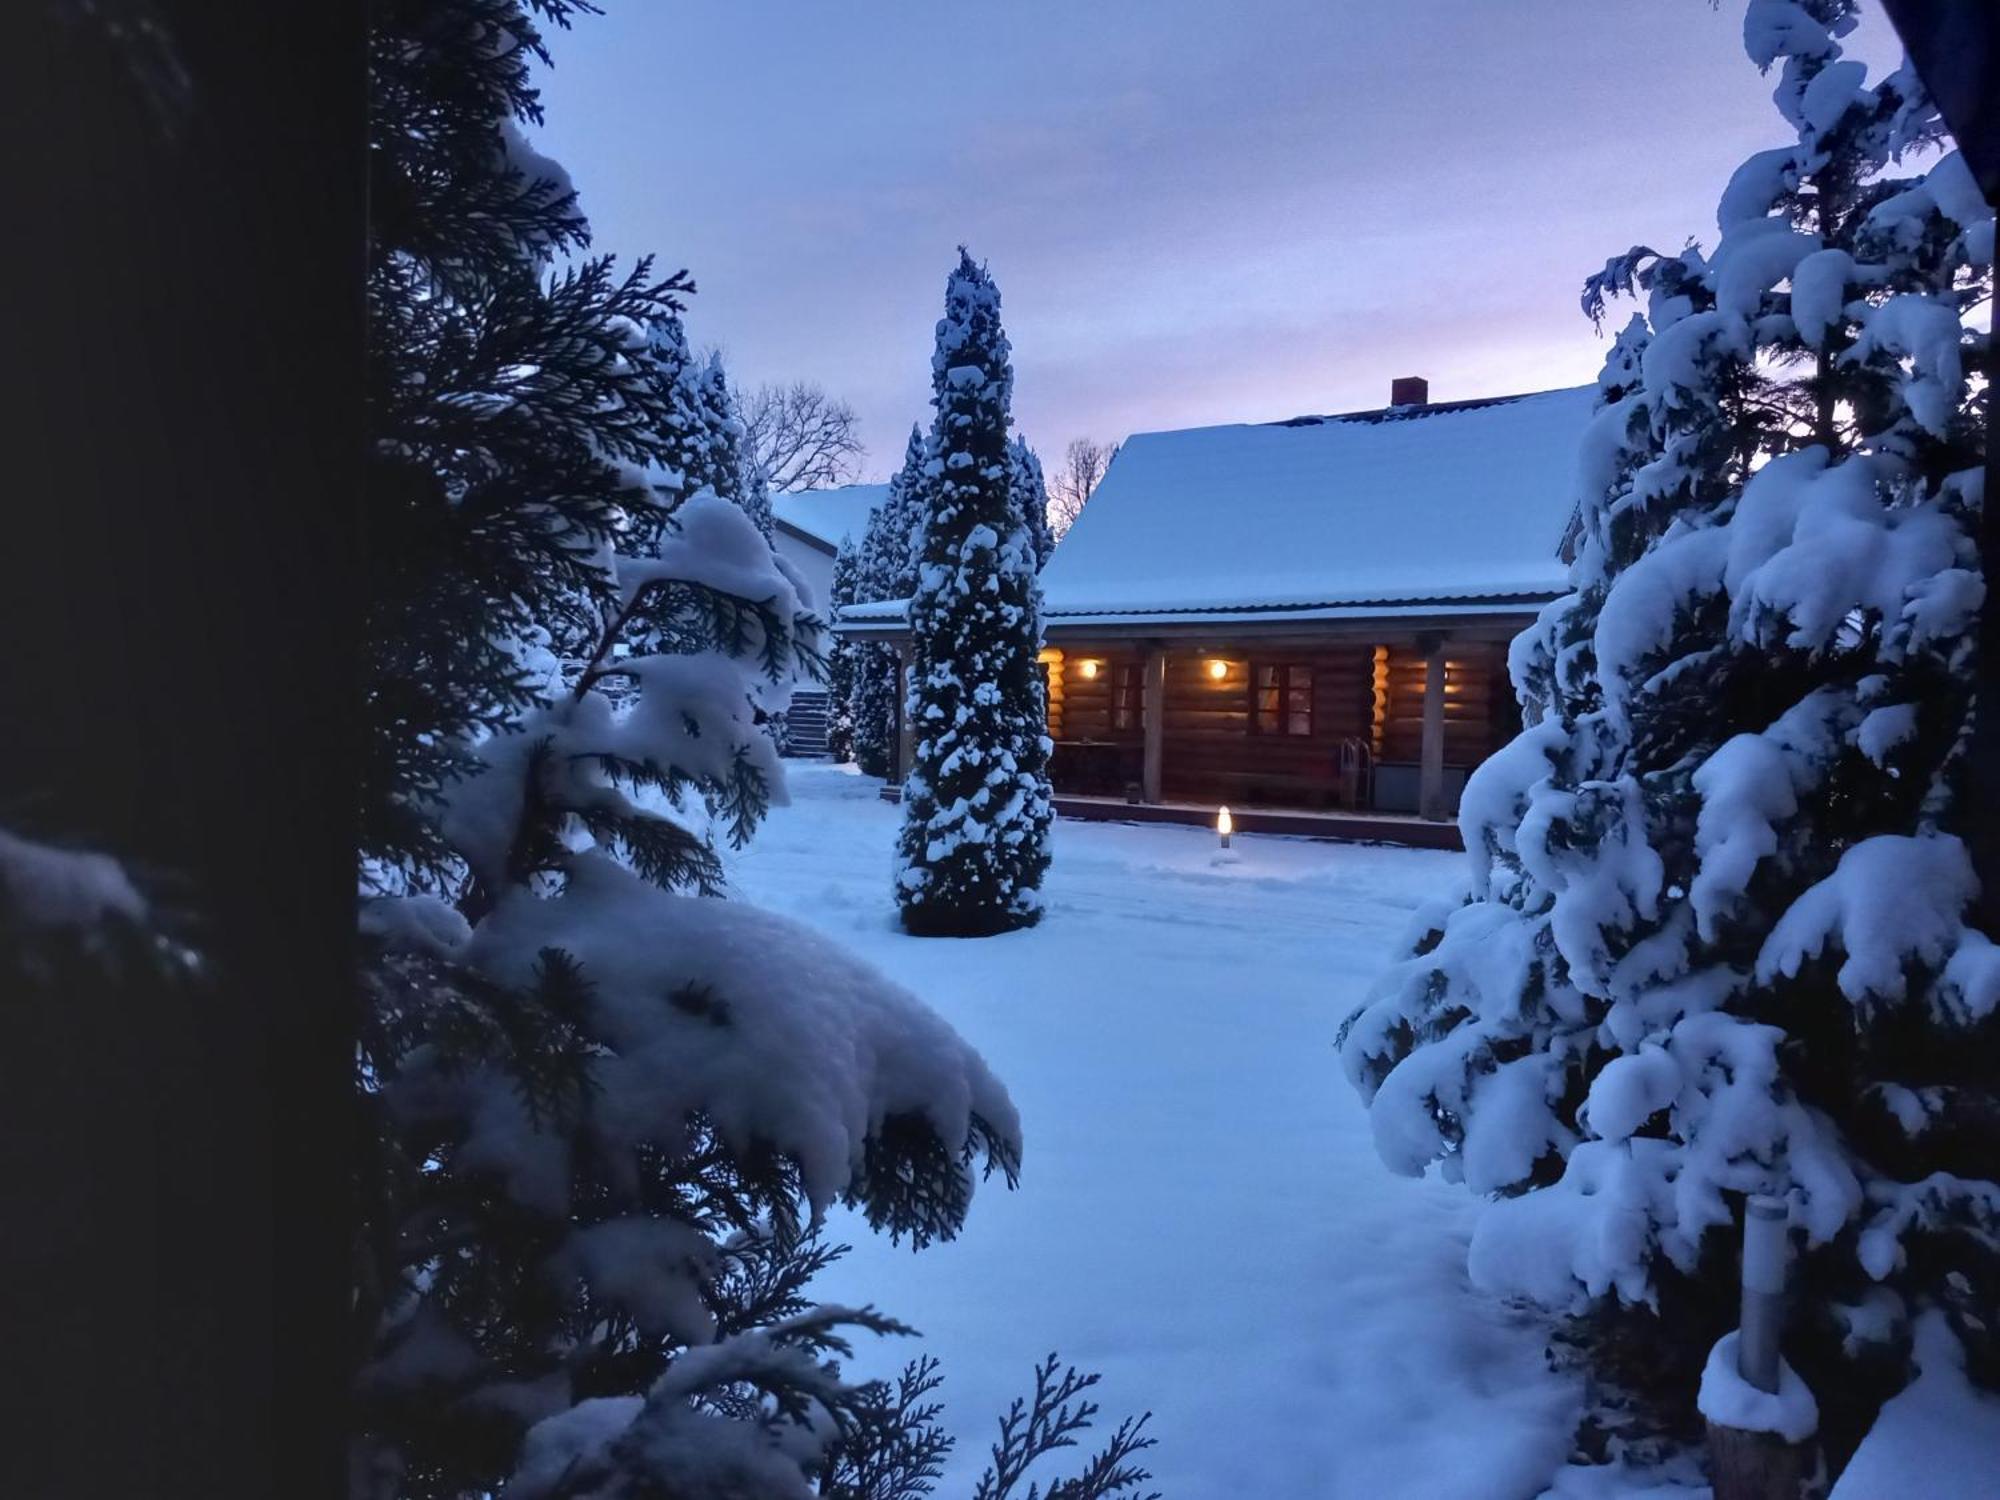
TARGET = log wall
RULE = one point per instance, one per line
(1478, 703)
(1210, 741)
(1086, 700)
(1368, 692)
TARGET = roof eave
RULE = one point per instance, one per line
(798, 533)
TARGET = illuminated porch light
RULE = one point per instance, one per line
(1218, 668)
(1224, 825)
(1088, 668)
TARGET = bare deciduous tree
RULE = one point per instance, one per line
(1083, 466)
(804, 438)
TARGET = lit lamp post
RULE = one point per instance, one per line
(1224, 825)
(1761, 1419)
(1762, 1318)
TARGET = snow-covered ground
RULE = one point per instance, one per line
(1201, 1215)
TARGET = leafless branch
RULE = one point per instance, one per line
(804, 438)
(1083, 466)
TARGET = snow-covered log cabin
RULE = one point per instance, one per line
(1311, 614)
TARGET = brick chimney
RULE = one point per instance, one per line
(1409, 390)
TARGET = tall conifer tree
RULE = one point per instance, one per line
(1715, 942)
(843, 656)
(976, 805)
(886, 569)
(1031, 497)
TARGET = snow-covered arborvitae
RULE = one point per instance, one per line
(736, 475)
(685, 435)
(606, 1101)
(976, 804)
(1031, 497)
(1715, 937)
(842, 656)
(886, 569)
(600, 1106)
(703, 430)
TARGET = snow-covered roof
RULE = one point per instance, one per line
(829, 515)
(1408, 505)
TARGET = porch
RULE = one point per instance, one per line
(1405, 829)
(1307, 724)
(1363, 724)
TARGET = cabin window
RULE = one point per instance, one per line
(1125, 695)
(1283, 698)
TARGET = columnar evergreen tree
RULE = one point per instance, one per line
(842, 656)
(886, 569)
(703, 430)
(600, 1109)
(1031, 498)
(1715, 941)
(976, 805)
(736, 475)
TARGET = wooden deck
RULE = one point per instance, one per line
(1312, 823)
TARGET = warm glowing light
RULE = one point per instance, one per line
(1089, 669)
(1218, 669)
(1224, 825)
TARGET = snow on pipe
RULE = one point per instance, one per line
(1765, 1251)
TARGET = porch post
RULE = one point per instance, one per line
(1430, 776)
(904, 747)
(1153, 710)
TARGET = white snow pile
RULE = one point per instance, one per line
(1940, 1432)
(1167, 1011)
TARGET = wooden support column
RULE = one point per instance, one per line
(905, 739)
(1153, 712)
(1430, 778)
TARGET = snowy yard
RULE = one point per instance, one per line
(1201, 1215)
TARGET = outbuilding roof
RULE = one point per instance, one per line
(1443, 505)
(825, 516)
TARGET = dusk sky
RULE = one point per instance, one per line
(1196, 212)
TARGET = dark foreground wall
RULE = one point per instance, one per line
(182, 431)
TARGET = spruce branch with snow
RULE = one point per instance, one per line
(602, 1110)
(1715, 940)
(976, 801)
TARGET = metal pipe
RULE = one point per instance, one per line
(1766, 1248)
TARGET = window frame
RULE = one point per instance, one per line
(1288, 681)
(1128, 686)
